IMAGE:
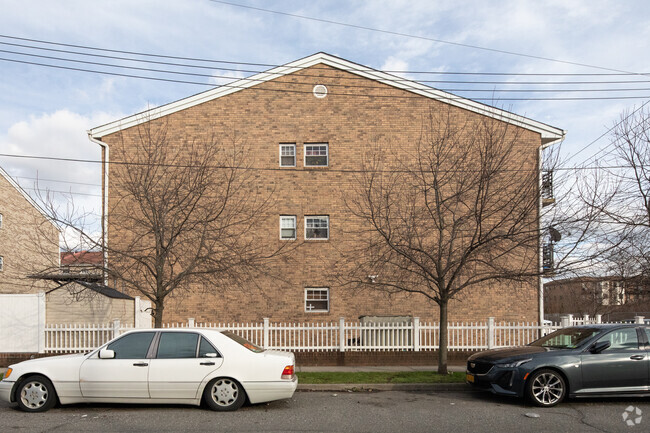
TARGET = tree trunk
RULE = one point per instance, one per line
(158, 313)
(444, 340)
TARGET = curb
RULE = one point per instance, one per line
(369, 387)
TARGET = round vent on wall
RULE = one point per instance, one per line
(320, 91)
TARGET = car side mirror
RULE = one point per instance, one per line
(600, 346)
(210, 355)
(106, 354)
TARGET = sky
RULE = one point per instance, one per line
(46, 111)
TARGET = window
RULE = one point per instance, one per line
(244, 342)
(317, 300)
(2, 264)
(317, 227)
(177, 345)
(288, 227)
(316, 155)
(132, 346)
(621, 340)
(206, 348)
(287, 155)
(0, 220)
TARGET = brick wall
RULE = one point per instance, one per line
(350, 125)
(29, 243)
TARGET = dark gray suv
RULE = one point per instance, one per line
(580, 361)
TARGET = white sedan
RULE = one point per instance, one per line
(187, 366)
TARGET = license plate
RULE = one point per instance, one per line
(469, 378)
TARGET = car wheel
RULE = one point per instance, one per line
(546, 388)
(35, 394)
(224, 394)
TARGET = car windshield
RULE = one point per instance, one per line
(567, 338)
(244, 342)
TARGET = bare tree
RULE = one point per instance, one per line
(460, 211)
(180, 215)
(619, 193)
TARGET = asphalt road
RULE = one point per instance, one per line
(371, 412)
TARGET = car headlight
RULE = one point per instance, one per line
(515, 363)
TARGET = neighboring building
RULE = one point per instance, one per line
(29, 240)
(83, 302)
(82, 263)
(310, 123)
(596, 295)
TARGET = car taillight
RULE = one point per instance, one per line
(287, 373)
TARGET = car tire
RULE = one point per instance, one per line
(224, 394)
(35, 394)
(546, 388)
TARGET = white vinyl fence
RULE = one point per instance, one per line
(333, 336)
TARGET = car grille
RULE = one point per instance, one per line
(478, 367)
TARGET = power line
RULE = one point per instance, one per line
(605, 133)
(352, 77)
(492, 90)
(442, 41)
(282, 169)
(54, 180)
(449, 98)
(271, 65)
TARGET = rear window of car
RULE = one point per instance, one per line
(244, 342)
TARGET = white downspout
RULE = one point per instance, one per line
(105, 160)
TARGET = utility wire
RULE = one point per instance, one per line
(275, 169)
(605, 133)
(446, 98)
(270, 65)
(351, 77)
(279, 80)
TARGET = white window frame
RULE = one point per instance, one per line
(326, 290)
(326, 217)
(1, 221)
(292, 145)
(2, 263)
(295, 227)
(327, 154)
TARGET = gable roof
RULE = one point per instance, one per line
(548, 133)
(27, 197)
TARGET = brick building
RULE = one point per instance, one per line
(609, 296)
(29, 240)
(309, 124)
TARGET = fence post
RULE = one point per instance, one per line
(41, 322)
(136, 312)
(565, 321)
(116, 328)
(190, 322)
(639, 319)
(266, 334)
(586, 319)
(599, 318)
(416, 334)
(490, 332)
(342, 334)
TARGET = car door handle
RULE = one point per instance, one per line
(637, 357)
(140, 364)
(207, 363)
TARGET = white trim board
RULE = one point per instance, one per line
(548, 133)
